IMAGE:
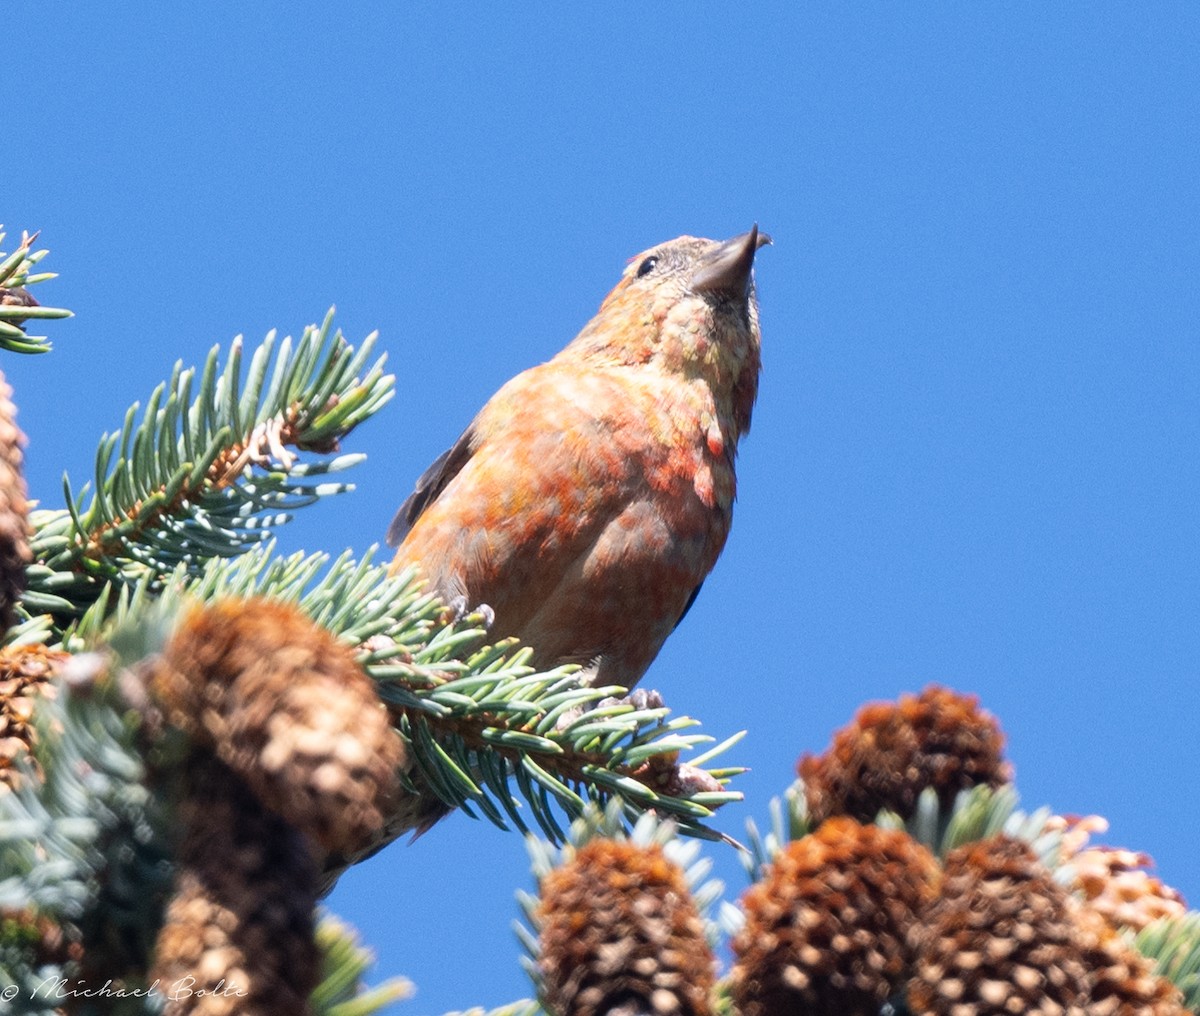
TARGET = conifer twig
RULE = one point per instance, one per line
(17, 304)
(485, 731)
(211, 465)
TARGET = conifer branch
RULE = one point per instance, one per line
(96, 811)
(17, 304)
(210, 466)
(480, 722)
(83, 845)
(524, 1007)
(341, 991)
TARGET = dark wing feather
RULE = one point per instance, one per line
(688, 605)
(432, 482)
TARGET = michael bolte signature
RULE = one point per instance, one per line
(55, 988)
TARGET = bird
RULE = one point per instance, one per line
(583, 507)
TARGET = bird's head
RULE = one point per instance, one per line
(686, 307)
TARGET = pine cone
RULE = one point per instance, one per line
(1122, 981)
(284, 704)
(1116, 885)
(25, 673)
(893, 751)
(14, 524)
(1113, 881)
(1000, 938)
(826, 930)
(240, 925)
(620, 933)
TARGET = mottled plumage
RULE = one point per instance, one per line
(590, 497)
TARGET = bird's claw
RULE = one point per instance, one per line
(458, 609)
(642, 698)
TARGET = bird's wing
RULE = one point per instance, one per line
(432, 482)
(688, 606)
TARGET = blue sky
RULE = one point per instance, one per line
(974, 456)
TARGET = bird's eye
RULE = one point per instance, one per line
(647, 266)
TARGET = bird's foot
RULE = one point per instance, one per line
(458, 609)
(642, 698)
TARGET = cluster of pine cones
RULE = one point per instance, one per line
(855, 918)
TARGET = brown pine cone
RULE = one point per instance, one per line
(285, 705)
(14, 508)
(1116, 885)
(1122, 981)
(25, 673)
(1114, 882)
(1000, 938)
(620, 933)
(826, 930)
(238, 933)
(893, 751)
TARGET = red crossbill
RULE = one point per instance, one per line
(590, 497)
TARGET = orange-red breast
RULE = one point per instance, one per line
(590, 497)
